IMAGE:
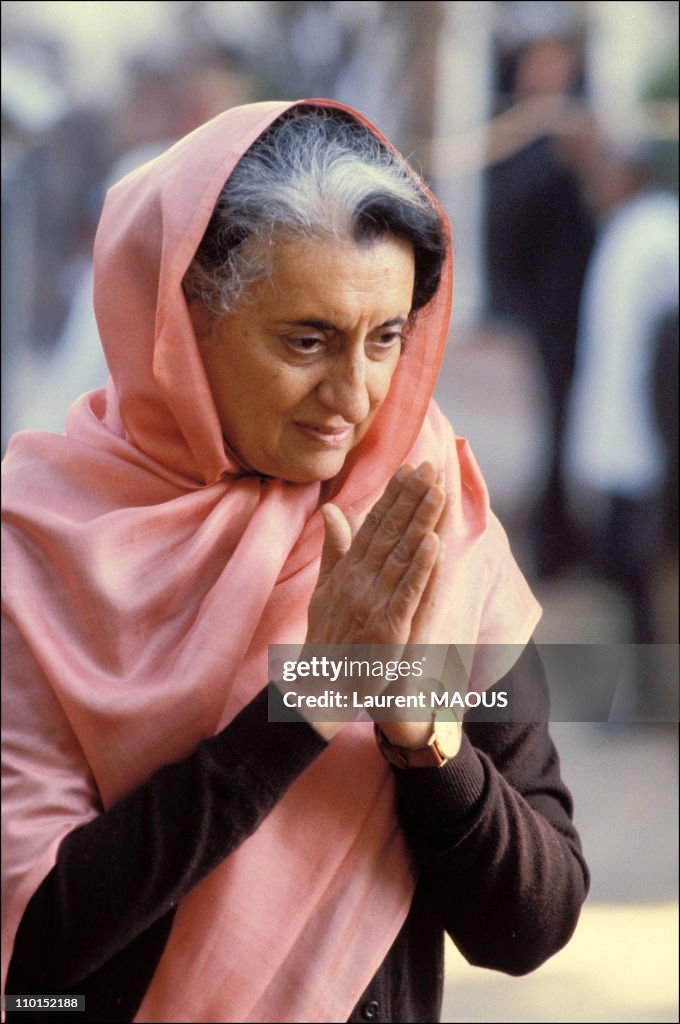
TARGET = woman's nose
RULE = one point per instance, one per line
(344, 389)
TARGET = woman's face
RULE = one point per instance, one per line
(300, 370)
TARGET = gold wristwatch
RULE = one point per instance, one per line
(443, 744)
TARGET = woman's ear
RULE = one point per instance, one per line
(201, 318)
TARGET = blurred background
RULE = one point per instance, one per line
(549, 133)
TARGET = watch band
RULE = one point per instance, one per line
(429, 756)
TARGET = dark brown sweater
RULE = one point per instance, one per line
(501, 866)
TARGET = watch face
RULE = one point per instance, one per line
(448, 734)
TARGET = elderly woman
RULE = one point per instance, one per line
(265, 466)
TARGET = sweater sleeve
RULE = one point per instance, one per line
(494, 834)
(105, 910)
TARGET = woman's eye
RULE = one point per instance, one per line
(388, 339)
(305, 345)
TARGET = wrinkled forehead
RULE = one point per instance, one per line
(338, 280)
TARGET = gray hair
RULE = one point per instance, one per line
(317, 173)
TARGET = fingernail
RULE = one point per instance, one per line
(423, 471)
(405, 472)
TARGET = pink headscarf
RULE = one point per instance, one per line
(145, 576)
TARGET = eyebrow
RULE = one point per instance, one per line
(324, 325)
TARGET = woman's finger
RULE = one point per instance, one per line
(424, 520)
(337, 540)
(389, 531)
(421, 625)
(406, 597)
(377, 514)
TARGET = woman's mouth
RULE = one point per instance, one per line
(329, 437)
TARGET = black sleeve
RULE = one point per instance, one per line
(493, 831)
(98, 923)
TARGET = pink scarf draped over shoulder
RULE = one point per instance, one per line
(144, 577)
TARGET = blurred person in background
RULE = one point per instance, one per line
(622, 434)
(266, 465)
(540, 233)
(164, 100)
(54, 155)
